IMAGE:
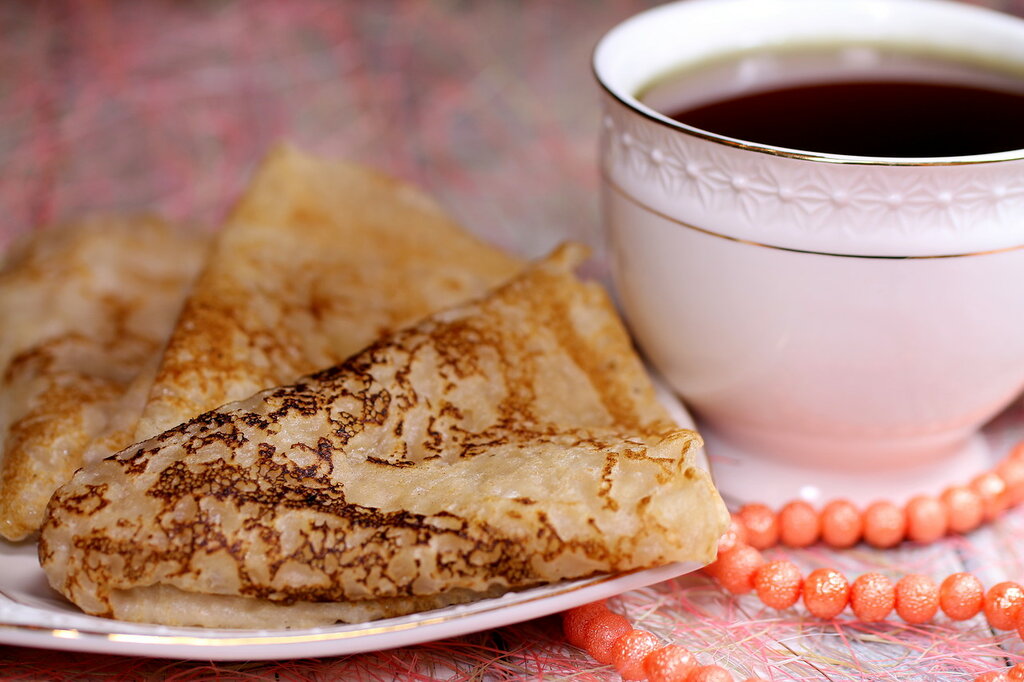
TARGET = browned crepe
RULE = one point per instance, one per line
(85, 309)
(496, 445)
(317, 260)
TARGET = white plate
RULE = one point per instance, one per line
(32, 614)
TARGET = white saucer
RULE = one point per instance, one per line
(742, 476)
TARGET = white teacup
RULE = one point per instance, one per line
(840, 325)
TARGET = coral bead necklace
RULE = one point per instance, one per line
(740, 568)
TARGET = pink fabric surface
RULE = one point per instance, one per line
(166, 106)
(490, 107)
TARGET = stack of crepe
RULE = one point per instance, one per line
(481, 426)
(316, 261)
(84, 312)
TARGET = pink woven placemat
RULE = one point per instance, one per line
(167, 106)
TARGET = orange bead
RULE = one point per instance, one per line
(963, 508)
(1011, 470)
(872, 597)
(670, 663)
(778, 584)
(761, 525)
(1016, 673)
(799, 524)
(885, 525)
(734, 535)
(917, 598)
(601, 633)
(841, 524)
(926, 519)
(1002, 605)
(735, 569)
(575, 620)
(961, 596)
(630, 650)
(992, 490)
(709, 673)
(826, 593)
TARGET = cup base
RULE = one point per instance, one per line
(745, 476)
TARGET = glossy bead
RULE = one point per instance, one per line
(575, 620)
(1016, 673)
(917, 598)
(826, 593)
(963, 508)
(961, 596)
(872, 597)
(630, 650)
(709, 673)
(799, 524)
(734, 535)
(1002, 605)
(735, 569)
(670, 663)
(1011, 470)
(601, 633)
(841, 524)
(926, 519)
(885, 525)
(992, 491)
(778, 584)
(761, 525)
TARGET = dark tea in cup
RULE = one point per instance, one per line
(855, 100)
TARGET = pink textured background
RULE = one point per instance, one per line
(167, 106)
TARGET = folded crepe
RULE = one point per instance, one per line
(85, 309)
(493, 446)
(317, 260)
